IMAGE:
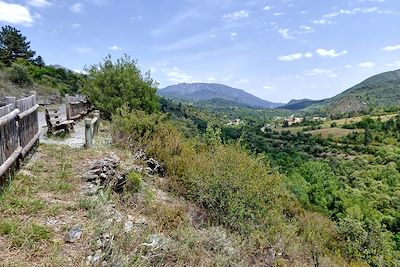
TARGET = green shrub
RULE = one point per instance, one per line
(111, 85)
(18, 74)
(133, 127)
(133, 182)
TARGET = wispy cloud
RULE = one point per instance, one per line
(236, 15)
(77, 7)
(292, 34)
(295, 56)
(285, 33)
(324, 72)
(177, 75)
(115, 48)
(368, 64)
(391, 48)
(38, 3)
(15, 14)
(330, 52)
(328, 18)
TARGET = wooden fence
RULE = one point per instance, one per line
(19, 130)
(76, 107)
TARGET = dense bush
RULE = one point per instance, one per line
(111, 85)
(19, 75)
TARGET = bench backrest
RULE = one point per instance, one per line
(53, 118)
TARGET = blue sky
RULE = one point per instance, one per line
(277, 50)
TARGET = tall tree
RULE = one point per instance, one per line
(13, 45)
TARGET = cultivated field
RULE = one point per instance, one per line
(333, 132)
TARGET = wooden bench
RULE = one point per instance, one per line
(55, 123)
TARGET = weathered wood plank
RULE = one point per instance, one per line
(10, 161)
(10, 116)
(27, 112)
(28, 147)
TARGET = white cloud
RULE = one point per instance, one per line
(368, 64)
(38, 3)
(305, 29)
(290, 34)
(115, 48)
(15, 14)
(77, 7)
(330, 53)
(325, 72)
(176, 75)
(233, 34)
(237, 15)
(391, 48)
(295, 56)
(285, 33)
(322, 21)
(328, 18)
(308, 55)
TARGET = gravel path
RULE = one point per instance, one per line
(75, 139)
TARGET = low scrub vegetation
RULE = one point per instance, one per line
(239, 190)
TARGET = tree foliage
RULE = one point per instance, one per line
(13, 45)
(112, 85)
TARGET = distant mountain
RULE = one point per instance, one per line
(197, 92)
(299, 104)
(377, 91)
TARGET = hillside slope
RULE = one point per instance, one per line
(299, 104)
(195, 92)
(381, 90)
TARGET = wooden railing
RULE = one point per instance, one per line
(19, 130)
(76, 107)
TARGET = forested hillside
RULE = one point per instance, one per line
(21, 71)
(379, 91)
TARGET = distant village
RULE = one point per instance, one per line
(284, 122)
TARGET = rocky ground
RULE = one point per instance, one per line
(70, 206)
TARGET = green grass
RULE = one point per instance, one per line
(21, 235)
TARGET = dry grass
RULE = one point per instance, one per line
(46, 199)
(332, 132)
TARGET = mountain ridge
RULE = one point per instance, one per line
(197, 92)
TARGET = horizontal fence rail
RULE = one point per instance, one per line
(19, 130)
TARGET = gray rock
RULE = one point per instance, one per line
(156, 167)
(89, 177)
(140, 155)
(73, 234)
(128, 226)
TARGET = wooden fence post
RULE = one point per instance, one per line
(96, 114)
(88, 133)
(34, 93)
(67, 107)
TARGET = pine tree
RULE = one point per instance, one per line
(38, 61)
(13, 45)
